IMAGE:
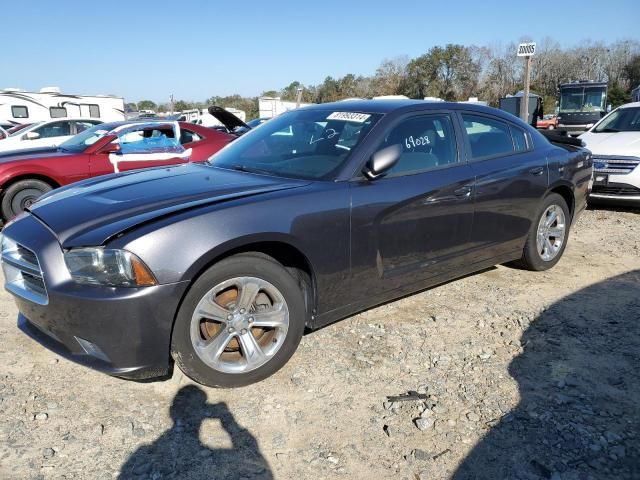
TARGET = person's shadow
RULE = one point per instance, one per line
(179, 454)
(579, 380)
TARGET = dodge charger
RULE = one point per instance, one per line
(322, 212)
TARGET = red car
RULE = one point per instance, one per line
(548, 122)
(25, 175)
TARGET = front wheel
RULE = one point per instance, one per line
(548, 235)
(239, 323)
(21, 195)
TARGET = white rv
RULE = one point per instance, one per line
(18, 106)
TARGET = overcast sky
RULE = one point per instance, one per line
(196, 49)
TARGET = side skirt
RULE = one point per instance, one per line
(411, 289)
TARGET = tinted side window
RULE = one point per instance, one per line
(427, 141)
(57, 129)
(82, 126)
(519, 139)
(487, 136)
(187, 136)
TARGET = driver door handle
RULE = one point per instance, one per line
(537, 171)
(463, 191)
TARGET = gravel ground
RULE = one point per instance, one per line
(517, 375)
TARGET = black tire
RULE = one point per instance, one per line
(531, 258)
(21, 195)
(241, 265)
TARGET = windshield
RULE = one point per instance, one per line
(306, 143)
(583, 99)
(620, 120)
(81, 141)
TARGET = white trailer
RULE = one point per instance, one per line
(270, 107)
(19, 106)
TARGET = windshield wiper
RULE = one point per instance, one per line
(244, 168)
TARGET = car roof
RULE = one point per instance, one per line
(630, 105)
(384, 106)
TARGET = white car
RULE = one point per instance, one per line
(46, 134)
(615, 144)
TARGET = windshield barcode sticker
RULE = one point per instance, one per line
(349, 116)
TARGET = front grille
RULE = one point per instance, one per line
(611, 190)
(22, 273)
(610, 164)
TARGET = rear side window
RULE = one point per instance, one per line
(520, 139)
(58, 112)
(19, 111)
(82, 126)
(427, 141)
(187, 136)
(487, 137)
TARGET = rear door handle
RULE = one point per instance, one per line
(463, 191)
(537, 171)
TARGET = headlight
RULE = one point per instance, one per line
(100, 266)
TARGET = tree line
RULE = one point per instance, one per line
(456, 72)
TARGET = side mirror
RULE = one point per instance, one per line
(110, 148)
(31, 136)
(609, 107)
(382, 161)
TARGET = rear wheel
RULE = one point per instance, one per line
(239, 323)
(548, 236)
(21, 195)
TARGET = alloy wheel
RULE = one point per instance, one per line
(551, 232)
(239, 325)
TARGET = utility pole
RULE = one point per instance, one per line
(298, 96)
(171, 103)
(524, 106)
(526, 50)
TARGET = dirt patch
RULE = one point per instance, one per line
(527, 375)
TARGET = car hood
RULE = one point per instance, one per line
(227, 118)
(615, 143)
(30, 154)
(90, 212)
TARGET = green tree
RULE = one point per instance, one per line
(130, 107)
(182, 105)
(389, 77)
(328, 91)
(632, 72)
(449, 73)
(290, 92)
(146, 105)
(617, 96)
